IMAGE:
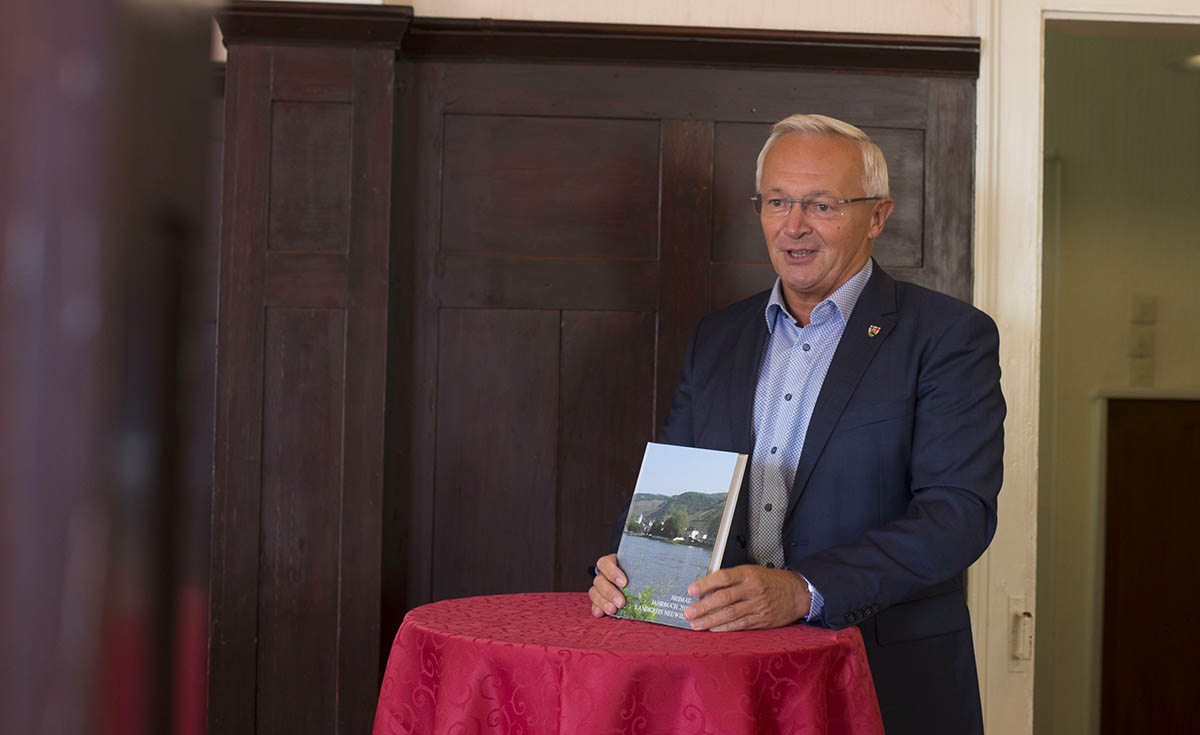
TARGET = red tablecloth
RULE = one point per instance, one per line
(541, 664)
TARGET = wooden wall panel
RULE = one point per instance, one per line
(302, 333)
(550, 187)
(495, 494)
(737, 234)
(300, 493)
(237, 456)
(633, 92)
(901, 245)
(310, 170)
(488, 282)
(606, 400)
(300, 76)
(686, 242)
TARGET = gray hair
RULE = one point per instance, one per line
(875, 173)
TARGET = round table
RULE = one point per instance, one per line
(540, 663)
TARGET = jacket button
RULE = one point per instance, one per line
(741, 540)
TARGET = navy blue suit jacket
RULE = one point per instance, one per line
(895, 492)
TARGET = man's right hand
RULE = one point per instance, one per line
(606, 587)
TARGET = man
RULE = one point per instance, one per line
(872, 413)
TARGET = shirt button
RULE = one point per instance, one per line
(806, 347)
(774, 449)
(787, 397)
(767, 507)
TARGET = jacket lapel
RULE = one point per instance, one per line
(859, 343)
(743, 377)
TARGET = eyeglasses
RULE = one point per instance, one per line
(817, 207)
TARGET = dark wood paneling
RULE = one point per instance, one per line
(687, 185)
(306, 279)
(410, 528)
(297, 519)
(1150, 556)
(309, 75)
(737, 235)
(495, 493)
(949, 189)
(622, 43)
(325, 23)
(732, 282)
(300, 494)
(359, 633)
(310, 175)
(605, 419)
(480, 281)
(233, 601)
(405, 442)
(550, 187)
(665, 93)
(901, 244)
(447, 37)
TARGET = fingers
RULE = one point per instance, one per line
(605, 593)
(717, 580)
(607, 565)
(748, 597)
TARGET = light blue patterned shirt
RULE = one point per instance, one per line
(789, 381)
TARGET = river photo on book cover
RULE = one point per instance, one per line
(674, 520)
(662, 570)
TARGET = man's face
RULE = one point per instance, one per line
(813, 257)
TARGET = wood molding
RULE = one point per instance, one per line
(456, 38)
(395, 26)
(324, 23)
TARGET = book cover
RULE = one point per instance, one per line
(676, 528)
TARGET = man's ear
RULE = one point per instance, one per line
(883, 210)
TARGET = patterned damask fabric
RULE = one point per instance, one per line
(540, 664)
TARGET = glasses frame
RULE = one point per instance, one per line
(757, 202)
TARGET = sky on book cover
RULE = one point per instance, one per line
(671, 470)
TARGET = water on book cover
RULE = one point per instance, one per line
(669, 533)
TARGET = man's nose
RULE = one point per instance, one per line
(797, 222)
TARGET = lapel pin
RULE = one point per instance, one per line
(872, 330)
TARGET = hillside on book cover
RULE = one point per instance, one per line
(676, 529)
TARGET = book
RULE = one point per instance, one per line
(676, 528)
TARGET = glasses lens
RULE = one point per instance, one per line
(822, 208)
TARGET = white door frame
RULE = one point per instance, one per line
(1008, 286)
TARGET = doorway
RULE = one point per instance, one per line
(1120, 252)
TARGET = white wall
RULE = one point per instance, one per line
(928, 17)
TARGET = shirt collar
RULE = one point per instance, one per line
(842, 300)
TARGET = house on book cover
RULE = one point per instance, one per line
(676, 528)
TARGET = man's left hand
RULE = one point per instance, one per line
(748, 597)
